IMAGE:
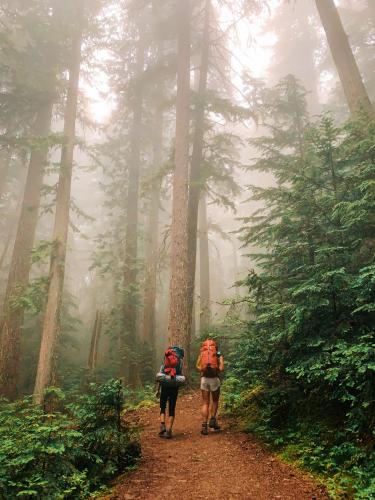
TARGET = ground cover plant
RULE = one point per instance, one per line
(157, 187)
(69, 451)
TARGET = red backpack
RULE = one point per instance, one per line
(209, 360)
(171, 362)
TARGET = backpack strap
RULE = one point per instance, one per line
(179, 368)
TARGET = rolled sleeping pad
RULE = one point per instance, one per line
(176, 381)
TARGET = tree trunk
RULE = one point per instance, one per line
(61, 225)
(148, 330)
(204, 267)
(196, 181)
(371, 9)
(129, 367)
(18, 277)
(351, 80)
(193, 328)
(5, 248)
(179, 320)
(94, 346)
(235, 266)
(5, 158)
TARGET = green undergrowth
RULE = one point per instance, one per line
(70, 451)
(311, 440)
(142, 397)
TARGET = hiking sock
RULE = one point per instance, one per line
(204, 430)
(162, 429)
(213, 424)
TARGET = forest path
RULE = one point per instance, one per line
(224, 465)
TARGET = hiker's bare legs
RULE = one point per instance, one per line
(215, 403)
(205, 405)
(205, 411)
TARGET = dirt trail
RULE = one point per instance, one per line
(224, 465)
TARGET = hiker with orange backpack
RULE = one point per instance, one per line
(169, 380)
(210, 364)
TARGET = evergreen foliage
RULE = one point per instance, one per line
(308, 352)
(65, 452)
(301, 356)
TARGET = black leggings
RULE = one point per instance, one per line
(168, 394)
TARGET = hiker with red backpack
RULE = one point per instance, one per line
(169, 380)
(210, 364)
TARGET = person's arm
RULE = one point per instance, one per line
(221, 363)
(198, 364)
(157, 394)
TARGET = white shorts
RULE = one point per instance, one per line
(210, 384)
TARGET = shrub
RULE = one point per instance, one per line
(110, 445)
(66, 453)
(310, 342)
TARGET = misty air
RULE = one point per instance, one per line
(187, 236)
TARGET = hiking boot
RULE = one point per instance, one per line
(168, 435)
(213, 424)
(163, 430)
(204, 430)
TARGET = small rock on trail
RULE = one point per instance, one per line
(225, 465)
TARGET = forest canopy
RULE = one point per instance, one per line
(174, 170)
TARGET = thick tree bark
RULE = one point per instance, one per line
(193, 328)
(148, 327)
(204, 268)
(18, 278)
(129, 368)
(351, 80)
(179, 319)
(61, 225)
(94, 346)
(196, 180)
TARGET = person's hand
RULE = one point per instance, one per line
(157, 393)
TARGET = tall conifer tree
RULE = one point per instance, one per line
(347, 68)
(129, 368)
(41, 91)
(196, 180)
(52, 313)
(178, 323)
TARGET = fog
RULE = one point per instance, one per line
(128, 69)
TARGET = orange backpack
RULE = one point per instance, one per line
(209, 360)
